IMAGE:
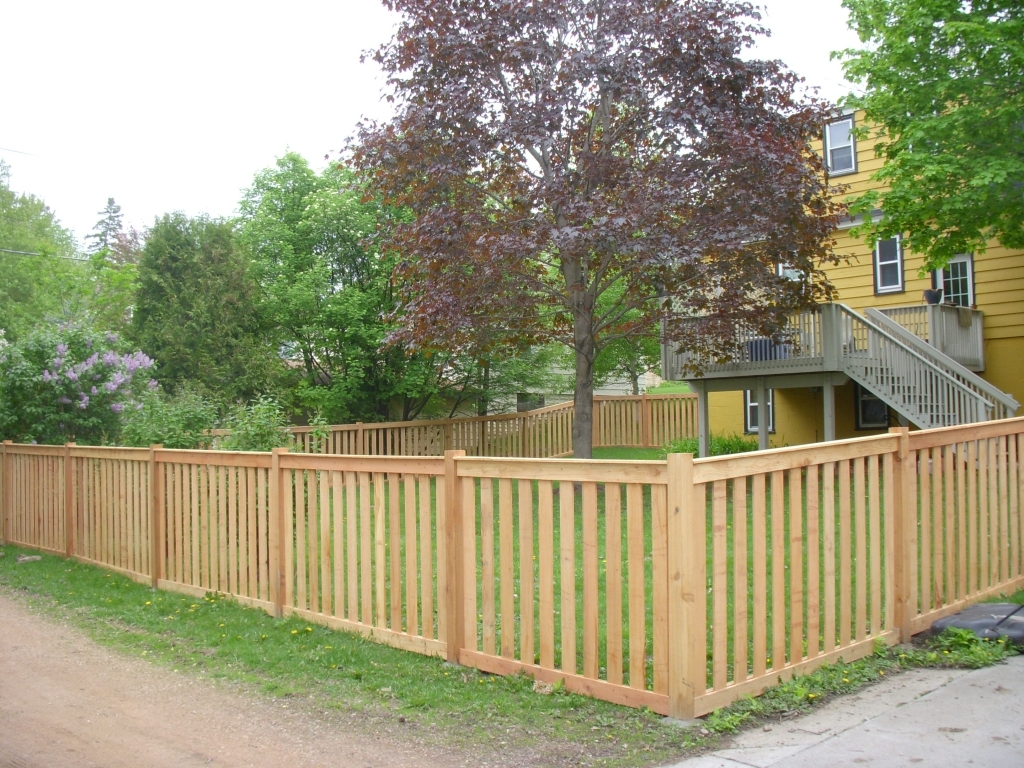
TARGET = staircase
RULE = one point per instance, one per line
(913, 378)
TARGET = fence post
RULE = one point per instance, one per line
(69, 502)
(904, 530)
(455, 604)
(687, 565)
(5, 513)
(275, 517)
(157, 548)
(359, 439)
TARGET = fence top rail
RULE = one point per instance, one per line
(930, 438)
(32, 449)
(254, 459)
(796, 457)
(399, 465)
(641, 398)
(112, 453)
(573, 470)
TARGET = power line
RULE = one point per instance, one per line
(33, 253)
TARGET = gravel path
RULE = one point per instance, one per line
(66, 701)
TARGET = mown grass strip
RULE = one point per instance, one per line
(213, 637)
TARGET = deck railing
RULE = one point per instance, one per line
(957, 332)
(679, 585)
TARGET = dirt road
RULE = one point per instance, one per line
(66, 701)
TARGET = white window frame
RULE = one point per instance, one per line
(940, 278)
(750, 411)
(829, 147)
(877, 265)
(786, 270)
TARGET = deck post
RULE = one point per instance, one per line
(828, 397)
(703, 428)
(762, 415)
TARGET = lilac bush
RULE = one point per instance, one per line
(69, 383)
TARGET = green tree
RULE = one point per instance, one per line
(104, 234)
(196, 309)
(944, 81)
(39, 278)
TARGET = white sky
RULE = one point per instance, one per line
(175, 106)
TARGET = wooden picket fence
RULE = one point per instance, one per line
(626, 420)
(680, 585)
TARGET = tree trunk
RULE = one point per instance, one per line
(634, 376)
(481, 404)
(583, 395)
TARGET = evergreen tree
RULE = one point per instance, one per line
(105, 232)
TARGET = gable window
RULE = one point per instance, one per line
(840, 149)
(872, 413)
(750, 411)
(956, 280)
(889, 266)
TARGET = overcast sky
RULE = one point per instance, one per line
(175, 106)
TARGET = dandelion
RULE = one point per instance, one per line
(295, 631)
(148, 602)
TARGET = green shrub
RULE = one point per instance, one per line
(721, 445)
(259, 426)
(68, 382)
(182, 420)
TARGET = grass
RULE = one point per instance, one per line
(390, 690)
(670, 388)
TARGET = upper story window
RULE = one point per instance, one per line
(956, 280)
(888, 266)
(840, 148)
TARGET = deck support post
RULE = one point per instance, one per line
(762, 415)
(828, 397)
(703, 428)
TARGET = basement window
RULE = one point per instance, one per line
(750, 411)
(872, 413)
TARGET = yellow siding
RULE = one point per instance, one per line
(999, 293)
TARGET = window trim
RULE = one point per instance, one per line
(748, 401)
(853, 145)
(939, 278)
(858, 392)
(900, 262)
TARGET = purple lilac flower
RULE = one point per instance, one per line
(88, 343)
(47, 375)
(117, 407)
(63, 400)
(84, 402)
(57, 362)
(72, 376)
(94, 391)
(115, 381)
(152, 385)
(62, 349)
(112, 338)
(109, 358)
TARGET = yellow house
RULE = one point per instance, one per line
(880, 355)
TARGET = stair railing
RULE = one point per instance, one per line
(904, 379)
(1005, 405)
